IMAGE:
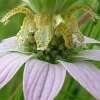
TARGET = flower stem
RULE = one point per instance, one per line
(14, 93)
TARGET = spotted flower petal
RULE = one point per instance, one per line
(87, 75)
(7, 44)
(88, 40)
(42, 81)
(9, 65)
(91, 54)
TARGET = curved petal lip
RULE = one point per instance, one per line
(90, 54)
(9, 65)
(88, 40)
(86, 74)
(8, 44)
(42, 81)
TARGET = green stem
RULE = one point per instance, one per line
(14, 93)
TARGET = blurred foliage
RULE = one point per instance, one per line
(71, 89)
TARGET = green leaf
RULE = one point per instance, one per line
(35, 5)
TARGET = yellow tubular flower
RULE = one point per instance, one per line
(43, 26)
(14, 11)
(44, 31)
(27, 30)
(73, 27)
(67, 35)
(85, 8)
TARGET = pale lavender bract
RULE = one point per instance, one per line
(43, 81)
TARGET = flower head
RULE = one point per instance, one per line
(46, 44)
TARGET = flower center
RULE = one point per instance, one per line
(48, 32)
(57, 50)
(49, 40)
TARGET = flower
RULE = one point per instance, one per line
(42, 80)
(47, 42)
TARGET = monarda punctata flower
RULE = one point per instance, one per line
(50, 44)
